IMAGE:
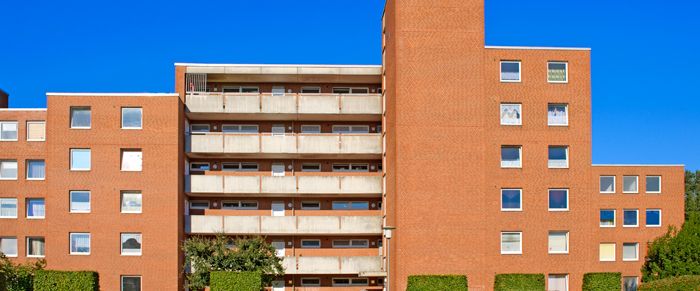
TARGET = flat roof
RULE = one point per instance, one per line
(22, 109)
(110, 94)
(638, 165)
(550, 48)
(281, 69)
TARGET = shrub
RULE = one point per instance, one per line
(18, 277)
(239, 281)
(437, 282)
(519, 282)
(66, 281)
(674, 254)
(602, 281)
(673, 284)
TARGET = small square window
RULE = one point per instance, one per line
(653, 217)
(8, 169)
(510, 157)
(310, 243)
(630, 218)
(8, 246)
(132, 160)
(80, 117)
(8, 130)
(653, 184)
(558, 157)
(607, 218)
(8, 207)
(36, 130)
(511, 243)
(510, 71)
(79, 243)
(607, 252)
(131, 283)
(36, 208)
(131, 202)
(131, 244)
(36, 170)
(558, 242)
(607, 184)
(36, 247)
(511, 200)
(80, 159)
(558, 115)
(557, 72)
(511, 114)
(132, 117)
(630, 184)
(630, 283)
(558, 282)
(79, 201)
(630, 251)
(558, 199)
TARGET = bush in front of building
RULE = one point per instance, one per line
(46, 280)
(519, 282)
(437, 282)
(18, 277)
(602, 281)
(689, 282)
(239, 281)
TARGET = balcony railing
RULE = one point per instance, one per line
(284, 225)
(311, 184)
(287, 103)
(290, 143)
(332, 265)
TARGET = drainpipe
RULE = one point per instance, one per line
(387, 234)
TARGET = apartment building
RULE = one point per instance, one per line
(452, 157)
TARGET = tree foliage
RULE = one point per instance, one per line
(676, 253)
(692, 193)
(206, 254)
(19, 277)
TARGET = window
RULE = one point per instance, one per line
(607, 184)
(607, 218)
(8, 246)
(350, 243)
(630, 184)
(240, 205)
(350, 167)
(8, 130)
(558, 157)
(558, 242)
(278, 170)
(310, 243)
(558, 115)
(354, 90)
(199, 204)
(8, 207)
(653, 218)
(350, 281)
(311, 167)
(36, 247)
(558, 199)
(309, 89)
(80, 117)
(630, 218)
(240, 89)
(350, 129)
(511, 114)
(239, 167)
(132, 160)
(131, 202)
(511, 243)
(310, 205)
(630, 251)
(558, 282)
(79, 201)
(80, 159)
(239, 128)
(36, 130)
(132, 117)
(8, 170)
(199, 128)
(511, 200)
(310, 282)
(196, 166)
(510, 156)
(310, 129)
(557, 72)
(607, 252)
(36, 170)
(510, 71)
(36, 208)
(131, 283)
(653, 184)
(350, 205)
(79, 243)
(629, 283)
(131, 244)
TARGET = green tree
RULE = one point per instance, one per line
(19, 277)
(692, 192)
(676, 253)
(206, 254)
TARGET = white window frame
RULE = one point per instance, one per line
(16, 170)
(16, 207)
(121, 281)
(27, 246)
(350, 166)
(36, 122)
(71, 160)
(566, 233)
(16, 130)
(311, 164)
(549, 161)
(636, 255)
(301, 244)
(566, 67)
(614, 257)
(558, 209)
(70, 244)
(351, 129)
(70, 202)
(310, 88)
(660, 217)
(240, 205)
(27, 170)
(240, 128)
(198, 207)
(310, 285)
(239, 166)
(520, 252)
(351, 282)
(520, 72)
(623, 218)
(566, 277)
(614, 184)
(600, 223)
(350, 90)
(351, 244)
(646, 184)
(141, 115)
(26, 206)
(512, 209)
(520, 110)
(121, 202)
(121, 244)
(88, 108)
(566, 108)
(16, 254)
(520, 153)
(623, 184)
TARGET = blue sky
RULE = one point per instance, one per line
(646, 105)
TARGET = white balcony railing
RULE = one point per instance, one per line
(284, 225)
(288, 103)
(332, 265)
(219, 184)
(323, 143)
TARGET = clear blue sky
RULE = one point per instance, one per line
(646, 102)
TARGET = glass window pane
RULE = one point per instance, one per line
(630, 184)
(653, 217)
(359, 205)
(607, 184)
(558, 199)
(310, 129)
(131, 283)
(36, 169)
(607, 217)
(510, 242)
(36, 247)
(131, 243)
(8, 246)
(510, 156)
(79, 201)
(132, 160)
(36, 208)
(8, 169)
(79, 243)
(80, 159)
(558, 114)
(511, 114)
(556, 72)
(653, 184)
(131, 117)
(607, 252)
(630, 218)
(510, 199)
(510, 71)
(558, 157)
(629, 251)
(558, 242)
(557, 283)
(8, 130)
(630, 283)
(8, 207)
(131, 202)
(200, 128)
(341, 205)
(36, 130)
(80, 117)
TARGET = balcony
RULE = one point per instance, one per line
(285, 225)
(367, 184)
(332, 265)
(287, 106)
(267, 145)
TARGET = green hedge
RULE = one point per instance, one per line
(688, 282)
(45, 280)
(602, 281)
(437, 282)
(519, 282)
(3, 282)
(239, 281)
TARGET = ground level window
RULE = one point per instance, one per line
(630, 283)
(558, 282)
(131, 283)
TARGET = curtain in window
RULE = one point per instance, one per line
(8, 207)
(8, 130)
(630, 184)
(80, 201)
(556, 72)
(607, 252)
(131, 243)
(629, 251)
(557, 242)
(132, 160)
(557, 283)
(510, 242)
(131, 202)
(80, 243)
(8, 246)
(607, 184)
(8, 169)
(37, 169)
(510, 114)
(36, 208)
(36, 246)
(557, 115)
(36, 131)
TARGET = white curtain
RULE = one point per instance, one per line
(558, 242)
(8, 246)
(8, 207)
(37, 169)
(8, 169)
(36, 246)
(557, 283)
(80, 243)
(132, 160)
(36, 207)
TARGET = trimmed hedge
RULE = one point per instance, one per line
(688, 282)
(519, 282)
(3, 282)
(437, 282)
(602, 281)
(239, 281)
(45, 280)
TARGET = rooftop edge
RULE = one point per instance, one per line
(110, 94)
(550, 48)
